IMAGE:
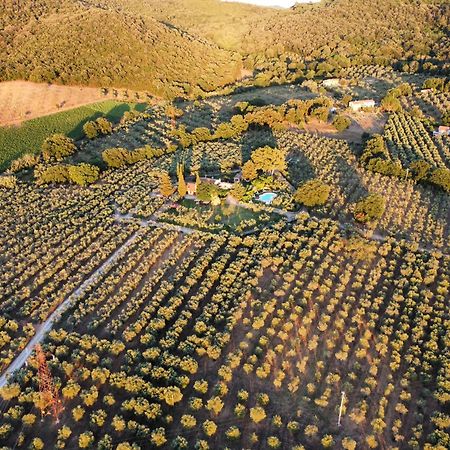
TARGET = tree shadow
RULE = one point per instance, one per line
(300, 168)
(349, 180)
(114, 115)
(197, 116)
(255, 138)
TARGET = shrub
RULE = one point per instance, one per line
(391, 103)
(233, 433)
(375, 148)
(206, 192)
(118, 423)
(348, 444)
(83, 174)
(28, 419)
(64, 432)
(188, 421)
(8, 182)
(441, 177)
(10, 391)
(369, 208)
(341, 123)
(52, 174)
(90, 129)
(327, 441)
(179, 443)
(312, 193)
(57, 146)
(215, 404)
(158, 437)
(115, 157)
(437, 84)
(420, 170)
(104, 126)
(86, 439)
(311, 430)
(209, 427)
(78, 413)
(24, 162)
(257, 414)
(201, 386)
(37, 444)
(446, 118)
(93, 128)
(237, 191)
(71, 390)
(273, 442)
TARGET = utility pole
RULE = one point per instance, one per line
(340, 408)
(50, 402)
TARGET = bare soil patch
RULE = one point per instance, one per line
(23, 100)
(362, 122)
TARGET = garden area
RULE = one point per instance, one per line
(214, 218)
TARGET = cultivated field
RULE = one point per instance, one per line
(175, 324)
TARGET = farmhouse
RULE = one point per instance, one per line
(442, 131)
(360, 104)
(331, 82)
(191, 186)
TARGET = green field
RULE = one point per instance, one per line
(28, 137)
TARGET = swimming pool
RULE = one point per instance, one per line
(267, 197)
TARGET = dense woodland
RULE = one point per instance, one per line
(178, 47)
(77, 43)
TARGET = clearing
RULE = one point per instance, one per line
(362, 122)
(24, 100)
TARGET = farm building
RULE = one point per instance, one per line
(331, 82)
(360, 104)
(442, 131)
(191, 186)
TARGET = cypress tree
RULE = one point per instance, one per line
(166, 187)
(182, 189)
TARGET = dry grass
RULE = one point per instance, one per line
(23, 100)
(362, 122)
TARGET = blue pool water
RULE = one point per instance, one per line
(267, 197)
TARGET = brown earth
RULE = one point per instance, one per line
(362, 122)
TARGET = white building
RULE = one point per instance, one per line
(442, 131)
(360, 104)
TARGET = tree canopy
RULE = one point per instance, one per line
(312, 193)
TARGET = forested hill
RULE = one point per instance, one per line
(179, 47)
(84, 43)
(362, 31)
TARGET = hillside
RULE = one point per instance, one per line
(180, 47)
(387, 29)
(99, 46)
